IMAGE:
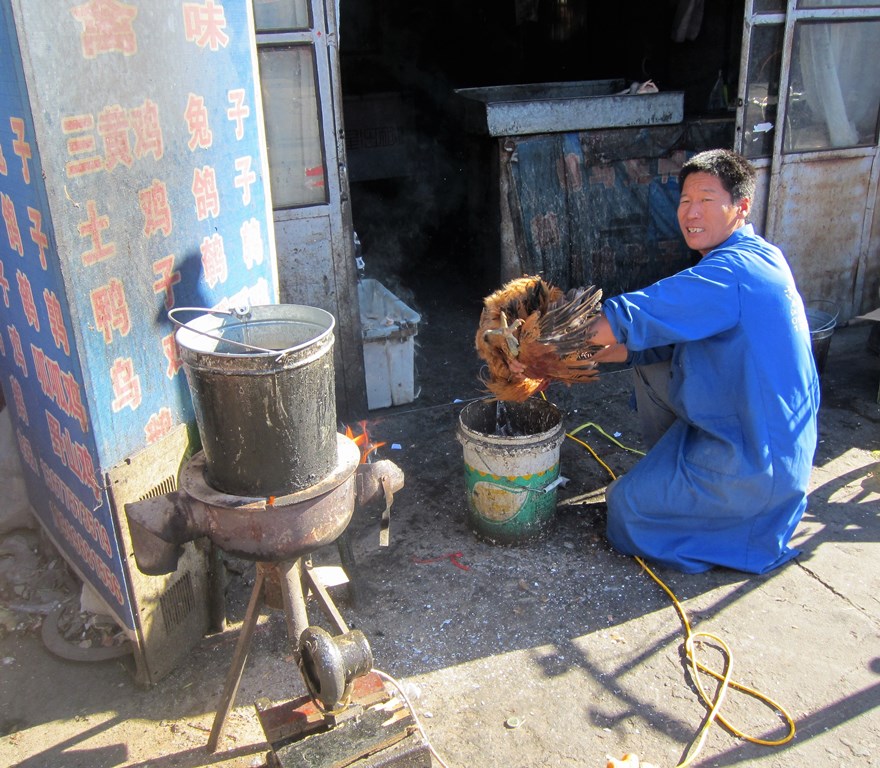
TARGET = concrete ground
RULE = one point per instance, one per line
(555, 652)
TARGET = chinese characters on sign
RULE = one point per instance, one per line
(139, 193)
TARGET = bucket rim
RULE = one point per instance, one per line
(556, 433)
(257, 313)
(824, 311)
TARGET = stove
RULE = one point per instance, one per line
(272, 485)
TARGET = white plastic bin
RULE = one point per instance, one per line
(389, 331)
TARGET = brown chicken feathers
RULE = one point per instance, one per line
(539, 330)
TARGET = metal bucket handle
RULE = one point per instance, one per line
(242, 313)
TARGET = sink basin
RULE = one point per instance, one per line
(515, 110)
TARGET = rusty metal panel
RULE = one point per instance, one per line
(817, 219)
(870, 298)
(758, 212)
(600, 207)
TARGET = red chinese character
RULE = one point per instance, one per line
(126, 385)
(27, 299)
(154, 206)
(113, 128)
(107, 27)
(21, 147)
(251, 242)
(4, 285)
(245, 178)
(17, 351)
(110, 309)
(13, 233)
(37, 234)
(74, 455)
(204, 24)
(85, 471)
(158, 425)
(41, 370)
(56, 320)
(55, 436)
(214, 260)
(238, 111)
(92, 228)
(27, 452)
(172, 355)
(196, 116)
(81, 145)
(18, 399)
(73, 398)
(4, 169)
(51, 377)
(168, 278)
(144, 122)
(204, 190)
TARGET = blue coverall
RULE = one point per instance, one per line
(727, 483)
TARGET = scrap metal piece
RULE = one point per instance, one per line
(377, 483)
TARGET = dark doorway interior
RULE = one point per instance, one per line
(418, 196)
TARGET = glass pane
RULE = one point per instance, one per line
(834, 98)
(293, 127)
(769, 6)
(272, 15)
(762, 90)
(838, 3)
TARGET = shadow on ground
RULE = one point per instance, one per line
(561, 633)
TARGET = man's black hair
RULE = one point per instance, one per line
(736, 174)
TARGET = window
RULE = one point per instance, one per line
(834, 95)
(762, 91)
(769, 6)
(276, 15)
(293, 125)
(837, 3)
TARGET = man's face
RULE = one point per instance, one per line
(707, 214)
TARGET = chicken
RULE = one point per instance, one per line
(532, 333)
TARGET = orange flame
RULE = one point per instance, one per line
(363, 442)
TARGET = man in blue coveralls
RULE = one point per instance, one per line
(726, 389)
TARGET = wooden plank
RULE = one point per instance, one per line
(376, 730)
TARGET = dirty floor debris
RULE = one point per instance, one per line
(556, 652)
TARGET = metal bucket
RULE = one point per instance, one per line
(510, 473)
(263, 389)
(822, 320)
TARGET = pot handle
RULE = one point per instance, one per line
(242, 313)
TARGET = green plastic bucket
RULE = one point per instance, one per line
(510, 471)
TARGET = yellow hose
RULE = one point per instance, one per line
(691, 640)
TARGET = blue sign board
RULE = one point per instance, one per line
(132, 180)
